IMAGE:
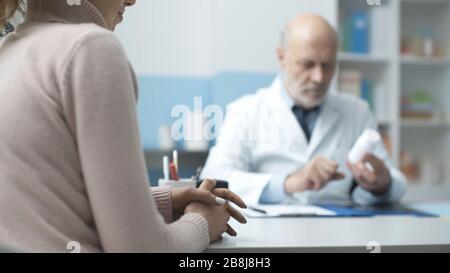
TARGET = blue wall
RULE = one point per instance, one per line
(158, 94)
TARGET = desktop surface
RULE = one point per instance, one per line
(347, 234)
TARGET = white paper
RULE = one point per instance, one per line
(287, 210)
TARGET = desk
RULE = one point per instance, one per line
(394, 233)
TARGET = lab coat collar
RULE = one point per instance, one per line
(284, 95)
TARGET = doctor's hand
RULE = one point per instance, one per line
(376, 181)
(316, 175)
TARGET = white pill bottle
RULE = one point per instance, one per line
(366, 143)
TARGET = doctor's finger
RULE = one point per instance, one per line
(376, 164)
(360, 168)
(360, 178)
(320, 178)
(338, 176)
(331, 163)
(323, 174)
(369, 176)
(330, 168)
(324, 163)
(309, 185)
(351, 167)
(318, 183)
(357, 174)
(371, 158)
(366, 185)
(333, 175)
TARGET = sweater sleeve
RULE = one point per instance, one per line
(163, 200)
(99, 104)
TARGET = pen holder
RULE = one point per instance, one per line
(186, 182)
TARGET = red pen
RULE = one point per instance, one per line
(173, 171)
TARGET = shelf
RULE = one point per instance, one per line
(361, 58)
(422, 61)
(417, 123)
(191, 159)
(396, 73)
(425, 1)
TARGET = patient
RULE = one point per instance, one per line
(71, 163)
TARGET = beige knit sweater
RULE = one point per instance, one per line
(71, 162)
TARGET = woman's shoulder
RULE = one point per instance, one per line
(64, 42)
(79, 34)
(67, 39)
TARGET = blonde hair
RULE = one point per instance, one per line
(7, 10)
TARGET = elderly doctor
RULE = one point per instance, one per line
(289, 142)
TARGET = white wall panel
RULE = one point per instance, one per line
(202, 37)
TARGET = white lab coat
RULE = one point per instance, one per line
(261, 139)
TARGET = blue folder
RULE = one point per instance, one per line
(360, 211)
(359, 42)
